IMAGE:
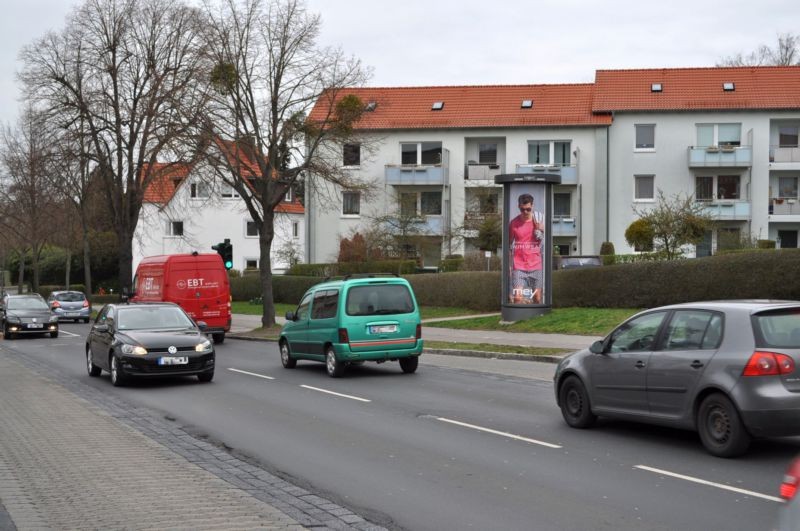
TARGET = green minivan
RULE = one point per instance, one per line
(341, 322)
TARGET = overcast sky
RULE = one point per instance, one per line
(458, 42)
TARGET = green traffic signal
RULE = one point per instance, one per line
(225, 250)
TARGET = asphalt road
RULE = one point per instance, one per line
(456, 447)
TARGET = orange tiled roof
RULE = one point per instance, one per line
(167, 177)
(295, 207)
(692, 89)
(473, 106)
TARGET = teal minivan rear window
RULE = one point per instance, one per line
(379, 299)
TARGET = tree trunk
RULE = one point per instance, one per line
(68, 268)
(21, 272)
(266, 236)
(87, 261)
(125, 260)
(35, 264)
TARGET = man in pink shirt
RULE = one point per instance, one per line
(525, 236)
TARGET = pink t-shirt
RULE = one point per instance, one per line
(525, 246)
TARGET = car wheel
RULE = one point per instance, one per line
(575, 406)
(218, 338)
(287, 360)
(409, 365)
(93, 369)
(54, 334)
(117, 376)
(86, 320)
(721, 429)
(6, 333)
(334, 366)
(206, 377)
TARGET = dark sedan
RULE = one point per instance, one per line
(27, 314)
(726, 369)
(130, 340)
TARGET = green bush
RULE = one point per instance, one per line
(401, 267)
(449, 265)
(477, 290)
(45, 291)
(285, 288)
(744, 275)
(607, 248)
(99, 301)
(766, 244)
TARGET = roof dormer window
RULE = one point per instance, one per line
(371, 106)
(437, 106)
(656, 87)
(527, 104)
(729, 86)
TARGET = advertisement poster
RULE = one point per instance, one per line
(525, 244)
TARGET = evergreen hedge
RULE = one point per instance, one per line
(288, 289)
(477, 290)
(401, 267)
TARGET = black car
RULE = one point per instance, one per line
(26, 314)
(129, 340)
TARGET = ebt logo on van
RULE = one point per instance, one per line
(194, 283)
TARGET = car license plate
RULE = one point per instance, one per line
(73, 314)
(35, 325)
(382, 329)
(173, 360)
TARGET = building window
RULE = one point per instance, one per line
(788, 135)
(227, 191)
(175, 228)
(563, 152)
(431, 203)
(351, 155)
(787, 187)
(728, 187)
(200, 190)
(538, 152)
(561, 204)
(728, 135)
(704, 188)
(252, 229)
(351, 203)
(644, 187)
(251, 263)
(295, 229)
(408, 205)
(413, 204)
(419, 153)
(487, 153)
(645, 136)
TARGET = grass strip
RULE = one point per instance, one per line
(489, 347)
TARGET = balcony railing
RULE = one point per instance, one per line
(784, 206)
(720, 157)
(569, 173)
(565, 226)
(727, 209)
(781, 154)
(483, 172)
(416, 175)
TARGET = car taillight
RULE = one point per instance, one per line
(85, 303)
(343, 337)
(55, 304)
(791, 480)
(419, 331)
(768, 364)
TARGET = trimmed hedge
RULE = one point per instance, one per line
(744, 275)
(45, 291)
(449, 265)
(401, 267)
(285, 288)
(477, 290)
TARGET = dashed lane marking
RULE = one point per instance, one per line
(62, 331)
(351, 397)
(710, 483)
(501, 433)
(252, 374)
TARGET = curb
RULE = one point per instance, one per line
(447, 352)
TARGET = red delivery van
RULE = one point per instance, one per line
(198, 283)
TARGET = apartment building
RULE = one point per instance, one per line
(726, 136)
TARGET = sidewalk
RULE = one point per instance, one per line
(72, 457)
(245, 323)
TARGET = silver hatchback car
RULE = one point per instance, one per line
(726, 369)
(70, 305)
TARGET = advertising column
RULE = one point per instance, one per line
(527, 244)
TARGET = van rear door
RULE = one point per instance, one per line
(202, 290)
(381, 315)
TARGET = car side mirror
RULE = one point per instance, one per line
(596, 348)
(101, 328)
(202, 325)
(290, 316)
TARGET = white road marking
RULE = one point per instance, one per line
(335, 394)
(502, 433)
(252, 374)
(62, 331)
(710, 483)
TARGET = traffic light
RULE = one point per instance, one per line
(225, 250)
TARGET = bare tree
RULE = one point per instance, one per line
(25, 154)
(669, 225)
(785, 53)
(129, 73)
(269, 72)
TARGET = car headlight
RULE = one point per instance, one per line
(205, 346)
(134, 349)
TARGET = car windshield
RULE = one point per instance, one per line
(780, 329)
(27, 303)
(379, 299)
(153, 318)
(71, 296)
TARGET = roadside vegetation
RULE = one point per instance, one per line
(428, 312)
(489, 347)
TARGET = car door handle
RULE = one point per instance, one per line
(640, 364)
(696, 364)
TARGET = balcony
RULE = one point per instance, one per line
(784, 157)
(720, 157)
(565, 226)
(784, 206)
(569, 174)
(416, 175)
(477, 174)
(727, 209)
